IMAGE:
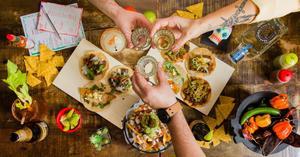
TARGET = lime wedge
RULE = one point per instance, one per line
(66, 125)
(74, 120)
(209, 136)
(70, 113)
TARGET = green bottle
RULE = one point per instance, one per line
(285, 61)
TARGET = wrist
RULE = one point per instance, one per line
(169, 102)
(115, 12)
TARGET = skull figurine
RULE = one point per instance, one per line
(220, 34)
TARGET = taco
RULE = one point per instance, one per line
(176, 75)
(200, 62)
(93, 65)
(178, 55)
(96, 96)
(196, 92)
(119, 79)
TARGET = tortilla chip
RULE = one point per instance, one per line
(225, 109)
(215, 142)
(219, 116)
(226, 99)
(211, 122)
(186, 14)
(28, 67)
(175, 14)
(57, 61)
(45, 53)
(50, 76)
(32, 81)
(204, 144)
(196, 9)
(220, 134)
(31, 61)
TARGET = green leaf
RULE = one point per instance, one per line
(15, 79)
(11, 68)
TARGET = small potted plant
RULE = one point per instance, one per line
(24, 108)
(100, 138)
(69, 120)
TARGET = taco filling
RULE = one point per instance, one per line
(177, 55)
(120, 80)
(201, 63)
(96, 95)
(175, 78)
(197, 91)
(93, 65)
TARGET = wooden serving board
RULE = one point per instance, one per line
(70, 80)
(217, 79)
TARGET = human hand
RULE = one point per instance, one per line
(159, 96)
(183, 29)
(128, 20)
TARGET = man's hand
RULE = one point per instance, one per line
(128, 20)
(159, 96)
(183, 29)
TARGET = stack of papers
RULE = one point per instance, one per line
(65, 19)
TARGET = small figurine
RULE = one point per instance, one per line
(220, 34)
(20, 41)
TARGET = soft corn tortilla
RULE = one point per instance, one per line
(166, 57)
(200, 52)
(101, 56)
(130, 72)
(194, 104)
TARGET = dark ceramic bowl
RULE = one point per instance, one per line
(252, 100)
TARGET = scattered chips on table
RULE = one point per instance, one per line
(43, 66)
(193, 12)
(222, 110)
(32, 81)
(196, 9)
(186, 14)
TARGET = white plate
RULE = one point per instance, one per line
(69, 80)
(217, 79)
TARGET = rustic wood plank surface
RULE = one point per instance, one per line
(249, 77)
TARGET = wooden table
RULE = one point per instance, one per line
(249, 77)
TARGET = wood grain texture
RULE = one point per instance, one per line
(249, 77)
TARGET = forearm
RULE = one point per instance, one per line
(108, 7)
(182, 138)
(240, 12)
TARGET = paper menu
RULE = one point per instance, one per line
(29, 23)
(65, 18)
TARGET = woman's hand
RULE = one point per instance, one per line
(159, 96)
(183, 29)
(128, 20)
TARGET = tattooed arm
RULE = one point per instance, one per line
(241, 11)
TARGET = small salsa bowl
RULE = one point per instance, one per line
(61, 113)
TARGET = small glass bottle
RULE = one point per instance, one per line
(261, 36)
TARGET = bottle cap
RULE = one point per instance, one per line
(291, 59)
(285, 75)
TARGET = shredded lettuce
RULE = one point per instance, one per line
(16, 81)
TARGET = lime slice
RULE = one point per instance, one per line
(70, 113)
(74, 120)
(209, 136)
(66, 125)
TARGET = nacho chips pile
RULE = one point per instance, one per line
(193, 12)
(223, 110)
(44, 66)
